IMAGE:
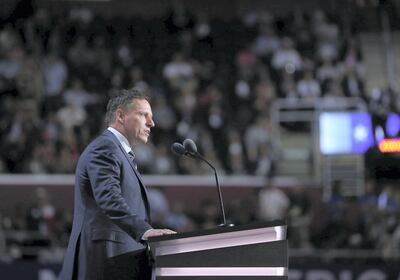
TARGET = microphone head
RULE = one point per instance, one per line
(190, 146)
(178, 149)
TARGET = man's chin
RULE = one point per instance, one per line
(140, 141)
(144, 140)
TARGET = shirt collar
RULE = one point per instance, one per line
(121, 138)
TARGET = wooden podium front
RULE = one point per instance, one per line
(254, 251)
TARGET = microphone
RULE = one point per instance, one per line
(178, 149)
(190, 146)
(189, 149)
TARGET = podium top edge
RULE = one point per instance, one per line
(217, 230)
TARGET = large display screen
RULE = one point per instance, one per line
(345, 132)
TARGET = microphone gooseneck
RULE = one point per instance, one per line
(189, 149)
(221, 202)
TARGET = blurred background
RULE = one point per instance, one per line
(296, 103)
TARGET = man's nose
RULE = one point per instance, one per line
(150, 123)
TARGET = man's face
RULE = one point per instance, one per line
(137, 121)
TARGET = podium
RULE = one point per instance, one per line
(254, 251)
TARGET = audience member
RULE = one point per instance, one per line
(273, 203)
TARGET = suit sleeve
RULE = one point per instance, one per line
(104, 171)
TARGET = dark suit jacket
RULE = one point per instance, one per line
(111, 211)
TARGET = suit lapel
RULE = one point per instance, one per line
(142, 186)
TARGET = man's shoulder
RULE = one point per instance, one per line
(103, 148)
(103, 141)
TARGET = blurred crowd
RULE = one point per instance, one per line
(210, 80)
(40, 230)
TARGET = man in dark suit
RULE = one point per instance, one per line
(111, 214)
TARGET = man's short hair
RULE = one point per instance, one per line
(121, 100)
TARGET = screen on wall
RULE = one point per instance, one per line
(345, 132)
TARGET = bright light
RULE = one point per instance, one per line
(389, 145)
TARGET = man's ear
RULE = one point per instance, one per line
(119, 115)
